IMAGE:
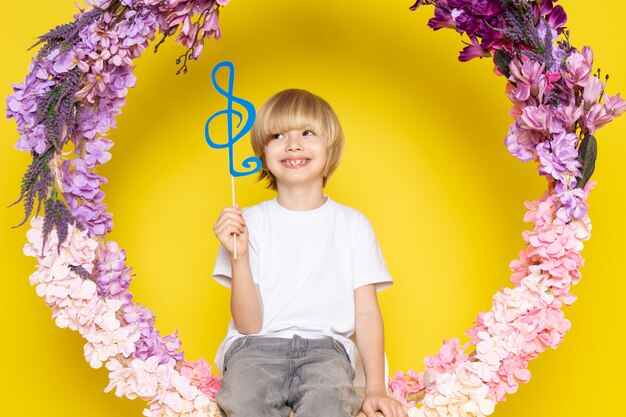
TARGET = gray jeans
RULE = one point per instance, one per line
(270, 377)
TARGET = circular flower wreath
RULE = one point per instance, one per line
(77, 85)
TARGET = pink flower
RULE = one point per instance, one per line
(529, 79)
(537, 282)
(568, 115)
(578, 67)
(615, 105)
(537, 118)
(596, 117)
(200, 375)
(489, 349)
(543, 328)
(402, 384)
(137, 378)
(593, 90)
(450, 354)
(461, 393)
(506, 380)
(508, 305)
(600, 114)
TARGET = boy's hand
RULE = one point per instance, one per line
(386, 405)
(230, 225)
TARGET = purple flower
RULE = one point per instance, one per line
(558, 54)
(544, 7)
(443, 18)
(93, 216)
(99, 4)
(33, 141)
(99, 119)
(82, 183)
(557, 18)
(485, 8)
(64, 62)
(122, 79)
(150, 342)
(572, 203)
(521, 143)
(559, 157)
(473, 50)
(22, 105)
(544, 27)
(135, 31)
(96, 81)
(113, 276)
(415, 5)
(97, 152)
(81, 191)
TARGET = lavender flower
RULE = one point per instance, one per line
(58, 216)
(36, 182)
(65, 36)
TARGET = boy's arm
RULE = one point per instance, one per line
(370, 342)
(246, 306)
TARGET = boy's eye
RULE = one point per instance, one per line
(278, 136)
(308, 132)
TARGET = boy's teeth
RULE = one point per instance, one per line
(295, 162)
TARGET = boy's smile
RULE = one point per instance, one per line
(293, 163)
(297, 157)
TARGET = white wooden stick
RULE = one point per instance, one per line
(232, 187)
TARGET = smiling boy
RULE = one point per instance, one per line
(305, 279)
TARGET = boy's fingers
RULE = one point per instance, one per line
(231, 210)
(386, 410)
(368, 410)
(229, 221)
(227, 229)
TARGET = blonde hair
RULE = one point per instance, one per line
(297, 109)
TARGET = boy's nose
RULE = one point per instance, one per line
(293, 142)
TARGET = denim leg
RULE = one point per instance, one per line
(255, 381)
(324, 377)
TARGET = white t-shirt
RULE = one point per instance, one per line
(307, 265)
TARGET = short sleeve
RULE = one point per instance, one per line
(369, 265)
(222, 271)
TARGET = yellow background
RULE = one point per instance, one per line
(425, 161)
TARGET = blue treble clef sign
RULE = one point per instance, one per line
(252, 164)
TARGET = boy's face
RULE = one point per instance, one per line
(297, 158)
